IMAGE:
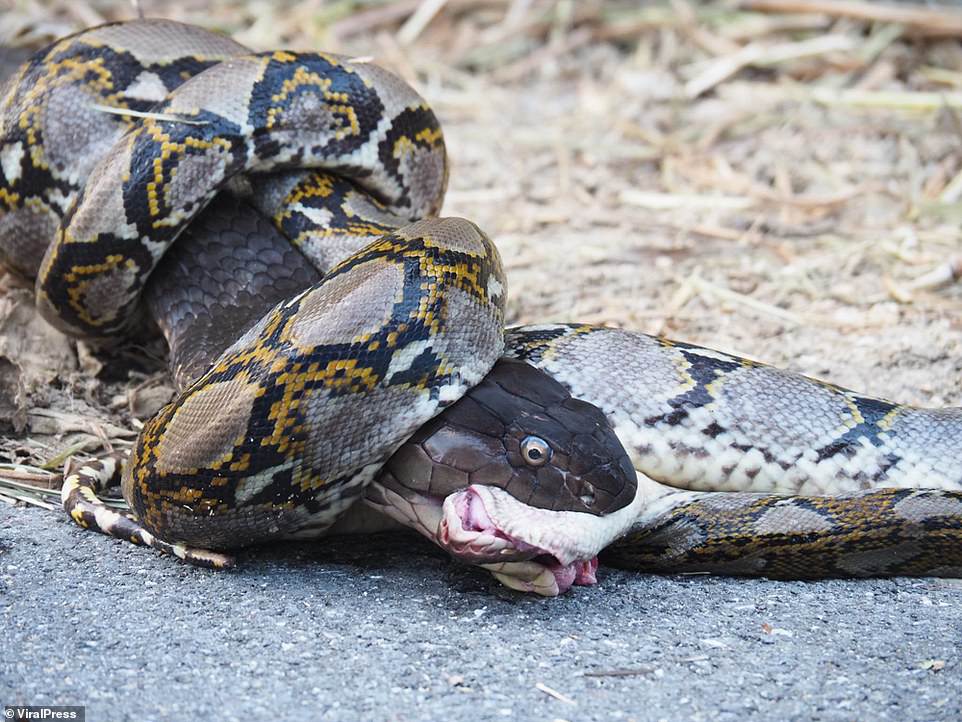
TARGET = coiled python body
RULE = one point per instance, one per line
(290, 423)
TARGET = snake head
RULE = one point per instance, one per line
(517, 477)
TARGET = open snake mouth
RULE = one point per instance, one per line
(524, 547)
(468, 532)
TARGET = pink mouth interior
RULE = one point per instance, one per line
(474, 518)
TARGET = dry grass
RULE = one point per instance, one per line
(782, 184)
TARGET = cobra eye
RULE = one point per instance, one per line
(535, 450)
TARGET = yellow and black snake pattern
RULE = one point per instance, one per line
(113, 140)
(315, 397)
(253, 113)
(287, 427)
(882, 532)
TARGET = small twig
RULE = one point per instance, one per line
(31, 499)
(554, 693)
(7, 483)
(646, 669)
(28, 476)
(667, 201)
(764, 55)
(953, 190)
(755, 26)
(886, 99)
(806, 201)
(943, 275)
(940, 22)
(726, 294)
(57, 460)
(655, 16)
(38, 496)
(904, 100)
(941, 75)
(147, 114)
(419, 20)
(382, 15)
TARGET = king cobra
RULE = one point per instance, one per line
(341, 358)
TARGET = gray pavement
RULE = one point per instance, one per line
(387, 628)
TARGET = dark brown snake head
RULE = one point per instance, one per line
(517, 476)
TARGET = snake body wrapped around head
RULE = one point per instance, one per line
(336, 342)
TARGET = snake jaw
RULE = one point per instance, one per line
(545, 579)
(467, 531)
(486, 526)
(526, 548)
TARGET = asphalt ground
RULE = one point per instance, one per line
(388, 628)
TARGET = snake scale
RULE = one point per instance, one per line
(341, 356)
